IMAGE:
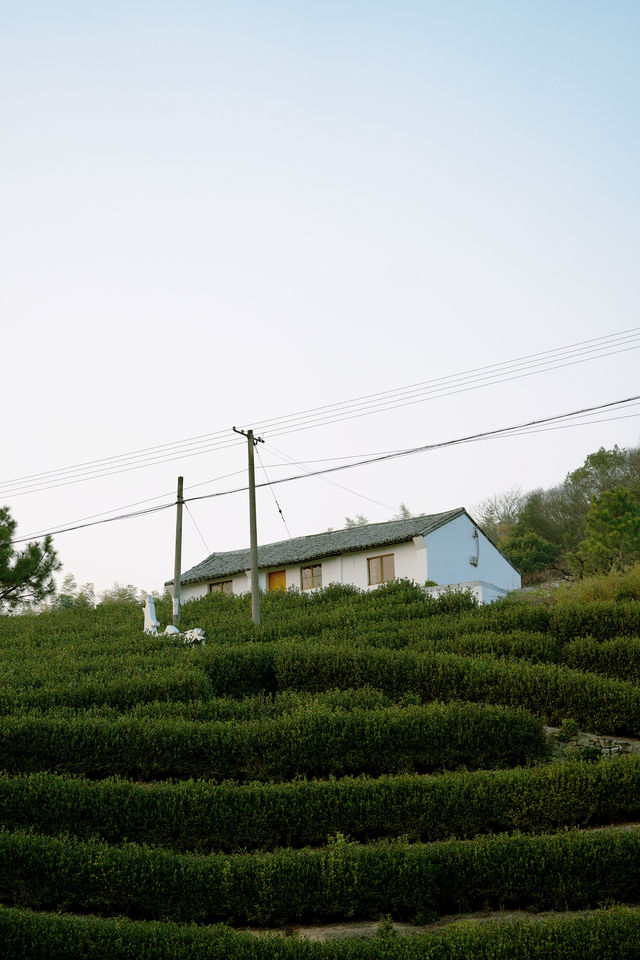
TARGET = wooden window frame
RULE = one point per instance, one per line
(380, 558)
(219, 586)
(316, 578)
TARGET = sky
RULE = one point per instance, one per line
(217, 214)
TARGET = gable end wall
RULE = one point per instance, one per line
(450, 547)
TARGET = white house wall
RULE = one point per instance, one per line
(442, 556)
(350, 568)
(355, 569)
(241, 583)
(450, 547)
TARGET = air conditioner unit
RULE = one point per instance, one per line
(473, 561)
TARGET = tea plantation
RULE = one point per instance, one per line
(358, 757)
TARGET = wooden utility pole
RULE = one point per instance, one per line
(178, 560)
(253, 526)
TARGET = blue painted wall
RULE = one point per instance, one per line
(450, 548)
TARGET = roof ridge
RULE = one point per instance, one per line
(345, 540)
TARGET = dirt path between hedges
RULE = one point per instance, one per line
(371, 928)
(368, 929)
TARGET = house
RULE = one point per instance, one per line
(448, 549)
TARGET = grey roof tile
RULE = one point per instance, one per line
(317, 546)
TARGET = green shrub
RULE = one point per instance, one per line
(619, 658)
(605, 934)
(201, 816)
(315, 743)
(548, 690)
(570, 870)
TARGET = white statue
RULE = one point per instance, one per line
(151, 624)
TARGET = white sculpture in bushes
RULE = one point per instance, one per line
(194, 637)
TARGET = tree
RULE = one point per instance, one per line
(358, 521)
(603, 470)
(613, 533)
(403, 513)
(26, 576)
(71, 595)
(499, 514)
(530, 552)
(119, 593)
(558, 514)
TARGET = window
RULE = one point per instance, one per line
(381, 569)
(311, 577)
(223, 586)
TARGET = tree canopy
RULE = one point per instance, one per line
(26, 576)
(613, 533)
(546, 529)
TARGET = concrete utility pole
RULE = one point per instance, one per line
(253, 527)
(178, 560)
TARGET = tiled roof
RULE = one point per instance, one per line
(317, 546)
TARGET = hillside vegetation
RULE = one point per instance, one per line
(358, 757)
(589, 523)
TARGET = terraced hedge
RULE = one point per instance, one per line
(331, 684)
(405, 613)
(571, 870)
(202, 817)
(548, 690)
(315, 744)
(619, 658)
(398, 606)
(606, 934)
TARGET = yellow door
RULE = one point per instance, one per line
(278, 580)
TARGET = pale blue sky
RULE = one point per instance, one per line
(216, 212)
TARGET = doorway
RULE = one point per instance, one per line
(278, 580)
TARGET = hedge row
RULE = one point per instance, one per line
(201, 817)
(602, 619)
(123, 690)
(614, 658)
(256, 707)
(132, 684)
(340, 610)
(551, 691)
(287, 615)
(618, 658)
(570, 870)
(606, 934)
(320, 743)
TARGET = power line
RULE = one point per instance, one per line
(278, 507)
(520, 429)
(95, 523)
(94, 475)
(476, 378)
(334, 483)
(469, 376)
(137, 503)
(197, 527)
(605, 342)
(485, 435)
(381, 408)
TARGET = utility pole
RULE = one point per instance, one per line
(178, 560)
(253, 527)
